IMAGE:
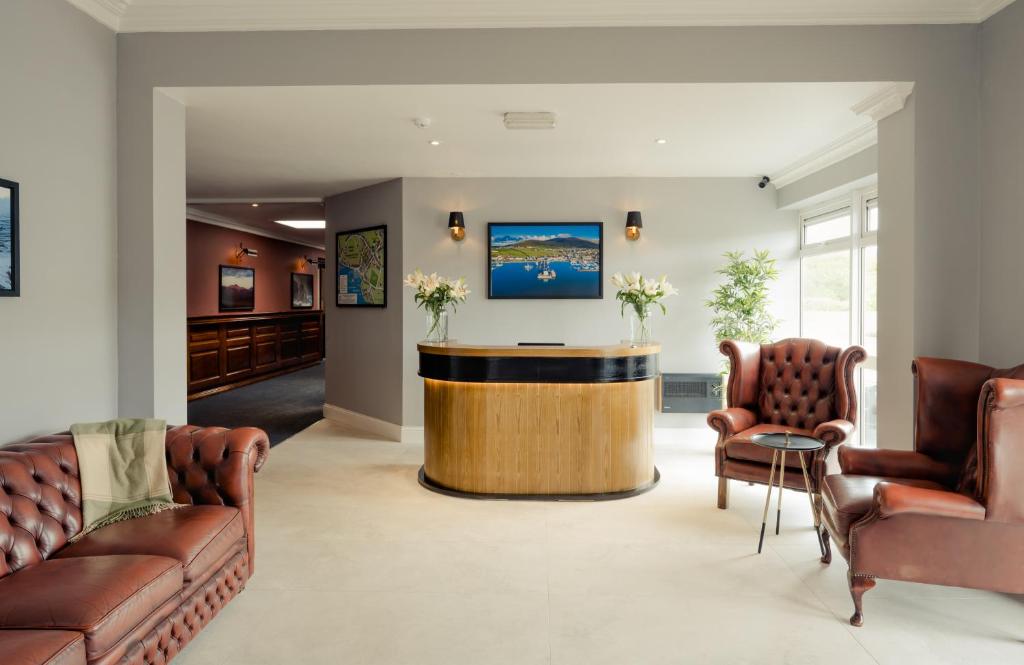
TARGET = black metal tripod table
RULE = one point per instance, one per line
(780, 444)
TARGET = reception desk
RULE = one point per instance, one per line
(539, 422)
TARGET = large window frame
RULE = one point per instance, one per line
(858, 205)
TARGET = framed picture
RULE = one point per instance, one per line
(10, 282)
(302, 290)
(237, 289)
(545, 260)
(361, 269)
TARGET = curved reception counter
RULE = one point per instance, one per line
(539, 422)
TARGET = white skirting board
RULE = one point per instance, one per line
(370, 425)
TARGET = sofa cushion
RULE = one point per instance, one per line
(41, 647)
(196, 536)
(741, 446)
(103, 597)
(847, 498)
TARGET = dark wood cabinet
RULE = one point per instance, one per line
(225, 352)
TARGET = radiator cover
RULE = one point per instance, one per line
(691, 393)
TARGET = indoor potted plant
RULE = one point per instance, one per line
(435, 294)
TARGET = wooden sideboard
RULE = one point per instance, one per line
(229, 351)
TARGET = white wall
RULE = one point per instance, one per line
(688, 224)
(58, 361)
(1002, 187)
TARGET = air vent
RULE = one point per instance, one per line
(529, 120)
(691, 393)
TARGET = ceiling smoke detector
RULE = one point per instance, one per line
(529, 120)
(422, 123)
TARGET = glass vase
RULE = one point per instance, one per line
(640, 326)
(437, 326)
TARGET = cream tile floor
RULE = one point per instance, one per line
(357, 564)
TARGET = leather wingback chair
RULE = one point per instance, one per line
(951, 511)
(802, 386)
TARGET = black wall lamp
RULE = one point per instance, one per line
(634, 222)
(457, 225)
(246, 251)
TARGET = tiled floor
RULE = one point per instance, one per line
(357, 564)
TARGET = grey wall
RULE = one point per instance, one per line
(858, 170)
(1002, 187)
(688, 224)
(58, 359)
(936, 183)
(364, 344)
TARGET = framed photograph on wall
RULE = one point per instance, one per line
(361, 267)
(545, 260)
(237, 289)
(10, 282)
(302, 290)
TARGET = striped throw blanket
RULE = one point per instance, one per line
(123, 469)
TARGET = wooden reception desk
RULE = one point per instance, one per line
(539, 422)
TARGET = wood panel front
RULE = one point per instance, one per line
(539, 438)
(226, 351)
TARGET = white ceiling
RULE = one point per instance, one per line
(274, 142)
(263, 219)
(205, 15)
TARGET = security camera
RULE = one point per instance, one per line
(763, 182)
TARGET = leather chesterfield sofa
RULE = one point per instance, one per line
(801, 386)
(135, 592)
(949, 512)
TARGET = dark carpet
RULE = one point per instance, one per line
(282, 406)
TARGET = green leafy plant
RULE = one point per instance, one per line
(740, 304)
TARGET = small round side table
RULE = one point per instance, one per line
(781, 443)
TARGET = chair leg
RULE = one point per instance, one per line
(826, 557)
(723, 493)
(858, 585)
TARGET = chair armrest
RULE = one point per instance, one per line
(833, 432)
(728, 422)
(1000, 449)
(895, 464)
(893, 499)
(215, 466)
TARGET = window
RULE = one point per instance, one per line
(839, 288)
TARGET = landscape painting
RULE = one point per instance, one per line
(8, 238)
(302, 290)
(362, 267)
(237, 289)
(545, 260)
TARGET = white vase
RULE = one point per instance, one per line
(640, 327)
(437, 326)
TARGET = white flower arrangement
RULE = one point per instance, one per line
(435, 294)
(641, 292)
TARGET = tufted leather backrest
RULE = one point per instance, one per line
(798, 384)
(40, 500)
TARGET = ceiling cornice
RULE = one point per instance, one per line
(214, 219)
(885, 102)
(108, 12)
(257, 15)
(835, 152)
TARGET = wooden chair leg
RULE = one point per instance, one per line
(723, 493)
(826, 558)
(858, 585)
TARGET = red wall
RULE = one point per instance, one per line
(210, 246)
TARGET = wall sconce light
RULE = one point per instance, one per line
(317, 261)
(457, 225)
(246, 251)
(634, 222)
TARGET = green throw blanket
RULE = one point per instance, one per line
(123, 468)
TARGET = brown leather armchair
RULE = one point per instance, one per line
(802, 386)
(949, 512)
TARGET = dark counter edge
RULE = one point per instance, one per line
(483, 496)
(538, 369)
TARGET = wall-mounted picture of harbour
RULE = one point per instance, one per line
(9, 285)
(545, 259)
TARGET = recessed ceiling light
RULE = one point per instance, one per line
(661, 141)
(255, 205)
(435, 142)
(303, 223)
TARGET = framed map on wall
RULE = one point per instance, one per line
(361, 268)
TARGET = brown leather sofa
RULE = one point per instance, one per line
(949, 512)
(134, 592)
(802, 386)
